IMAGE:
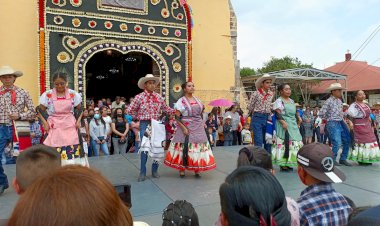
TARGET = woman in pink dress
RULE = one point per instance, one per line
(190, 149)
(61, 124)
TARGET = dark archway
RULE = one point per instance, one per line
(110, 73)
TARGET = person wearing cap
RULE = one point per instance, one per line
(227, 131)
(260, 107)
(319, 203)
(15, 104)
(146, 106)
(337, 129)
(366, 149)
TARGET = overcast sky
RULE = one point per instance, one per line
(315, 31)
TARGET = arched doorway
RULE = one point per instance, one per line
(110, 73)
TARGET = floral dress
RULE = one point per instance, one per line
(63, 134)
(366, 149)
(288, 111)
(200, 157)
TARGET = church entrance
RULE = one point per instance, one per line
(110, 73)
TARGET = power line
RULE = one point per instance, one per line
(361, 48)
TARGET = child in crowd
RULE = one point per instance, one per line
(227, 131)
(35, 131)
(246, 135)
(211, 123)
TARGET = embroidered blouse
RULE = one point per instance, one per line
(357, 111)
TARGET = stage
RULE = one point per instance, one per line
(150, 197)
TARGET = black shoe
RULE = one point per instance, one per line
(141, 178)
(344, 162)
(2, 188)
(155, 175)
(197, 175)
(337, 163)
(365, 164)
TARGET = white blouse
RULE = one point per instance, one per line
(47, 101)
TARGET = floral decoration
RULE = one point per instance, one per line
(165, 13)
(92, 23)
(177, 67)
(151, 30)
(165, 31)
(179, 16)
(177, 88)
(63, 57)
(76, 22)
(76, 3)
(169, 50)
(177, 33)
(123, 27)
(72, 42)
(155, 2)
(59, 2)
(175, 5)
(108, 24)
(58, 20)
(138, 28)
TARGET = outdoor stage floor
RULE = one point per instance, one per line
(150, 197)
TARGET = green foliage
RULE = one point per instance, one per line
(246, 71)
(278, 64)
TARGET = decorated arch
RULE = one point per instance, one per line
(72, 31)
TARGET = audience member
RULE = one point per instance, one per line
(33, 163)
(319, 203)
(71, 195)
(180, 213)
(253, 196)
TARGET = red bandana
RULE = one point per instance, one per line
(13, 94)
(265, 95)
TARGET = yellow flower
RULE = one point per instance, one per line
(64, 155)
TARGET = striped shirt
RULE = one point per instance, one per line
(320, 204)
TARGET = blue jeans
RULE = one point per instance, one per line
(97, 146)
(214, 138)
(317, 132)
(5, 138)
(228, 143)
(339, 135)
(259, 126)
(144, 156)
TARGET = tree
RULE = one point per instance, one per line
(287, 62)
(247, 71)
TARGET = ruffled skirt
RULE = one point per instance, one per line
(278, 151)
(200, 157)
(365, 153)
(70, 155)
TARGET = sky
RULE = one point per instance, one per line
(315, 31)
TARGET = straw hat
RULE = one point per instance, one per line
(345, 105)
(7, 70)
(260, 80)
(143, 80)
(335, 86)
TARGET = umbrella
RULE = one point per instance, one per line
(221, 103)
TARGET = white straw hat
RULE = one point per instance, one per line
(7, 70)
(143, 80)
(260, 80)
(335, 86)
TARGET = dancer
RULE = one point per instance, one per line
(13, 101)
(336, 127)
(190, 149)
(62, 104)
(145, 107)
(260, 108)
(289, 139)
(366, 149)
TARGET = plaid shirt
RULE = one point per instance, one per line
(332, 109)
(23, 101)
(320, 204)
(261, 102)
(147, 106)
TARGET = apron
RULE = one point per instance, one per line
(363, 131)
(63, 131)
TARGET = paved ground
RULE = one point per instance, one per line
(150, 197)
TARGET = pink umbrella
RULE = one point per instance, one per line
(221, 103)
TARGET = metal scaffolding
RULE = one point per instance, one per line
(304, 78)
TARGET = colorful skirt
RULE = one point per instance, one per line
(278, 152)
(200, 157)
(70, 155)
(365, 153)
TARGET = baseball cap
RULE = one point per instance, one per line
(317, 160)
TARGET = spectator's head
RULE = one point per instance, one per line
(180, 213)
(33, 163)
(103, 111)
(117, 99)
(91, 113)
(64, 197)
(85, 113)
(316, 165)
(109, 102)
(253, 196)
(232, 109)
(210, 116)
(228, 119)
(119, 113)
(255, 156)
(246, 126)
(109, 112)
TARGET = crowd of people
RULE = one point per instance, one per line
(63, 135)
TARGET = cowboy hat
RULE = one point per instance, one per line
(7, 70)
(346, 105)
(260, 80)
(143, 80)
(335, 86)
